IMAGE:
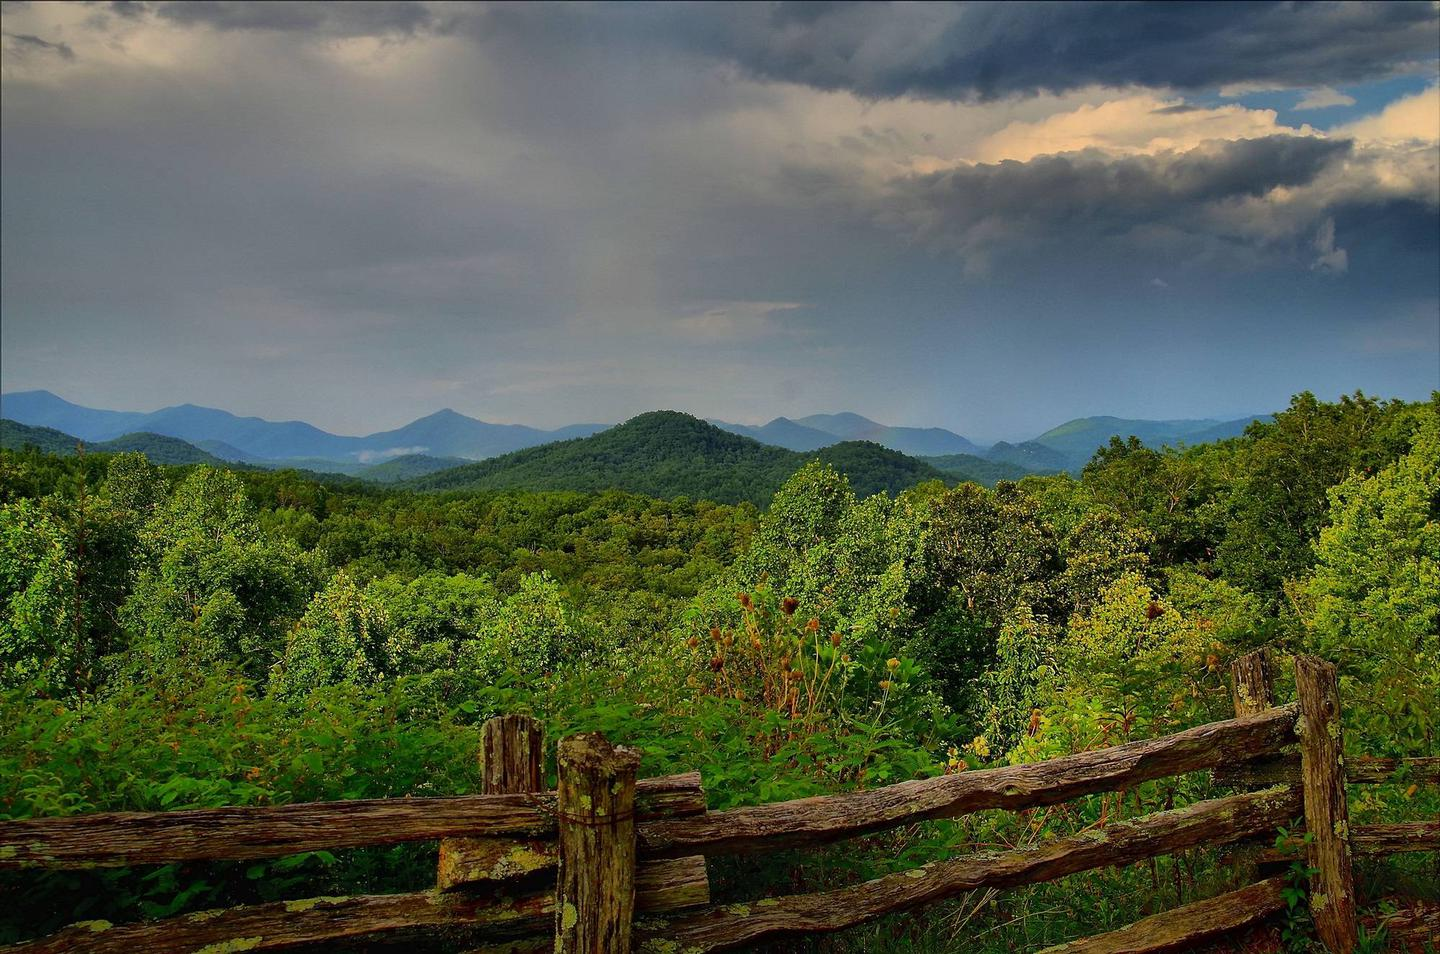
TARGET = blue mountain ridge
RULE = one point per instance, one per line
(450, 434)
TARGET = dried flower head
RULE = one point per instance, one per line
(892, 664)
(693, 641)
(835, 639)
(789, 605)
(744, 599)
(715, 633)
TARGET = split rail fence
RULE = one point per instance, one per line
(607, 864)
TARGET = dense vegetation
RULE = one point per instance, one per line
(193, 636)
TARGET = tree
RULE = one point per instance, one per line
(1373, 604)
(1281, 476)
(993, 549)
(220, 591)
(37, 593)
(1100, 549)
(344, 636)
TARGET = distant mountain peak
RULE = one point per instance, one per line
(444, 414)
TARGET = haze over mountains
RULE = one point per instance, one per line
(447, 438)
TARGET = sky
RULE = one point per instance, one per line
(991, 218)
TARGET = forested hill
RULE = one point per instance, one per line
(669, 454)
(157, 447)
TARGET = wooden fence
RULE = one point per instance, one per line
(608, 864)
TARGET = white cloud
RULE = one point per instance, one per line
(1138, 124)
(1413, 118)
(1329, 258)
(1323, 97)
(736, 321)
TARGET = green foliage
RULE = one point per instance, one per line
(37, 590)
(1373, 604)
(1297, 931)
(1280, 500)
(220, 590)
(344, 637)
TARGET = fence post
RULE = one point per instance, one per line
(1327, 817)
(1253, 691)
(510, 764)
(510, 750)
(595, 886)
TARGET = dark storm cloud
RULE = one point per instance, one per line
(1106, 194)
(990, 50)
(962, 51)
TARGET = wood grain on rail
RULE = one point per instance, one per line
(659, 887)
(113, 839)
(826, 818)
(1214, 822)
(1182, 928)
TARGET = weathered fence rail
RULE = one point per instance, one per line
(612, 864)
(117, 839)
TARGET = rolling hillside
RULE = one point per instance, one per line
(968, 467)
(1031, 456)
(407, 467)
(668, 454)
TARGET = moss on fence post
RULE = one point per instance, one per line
(595, 890)
(1327, 816)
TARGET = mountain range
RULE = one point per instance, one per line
(445, 433)
(438, 440)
